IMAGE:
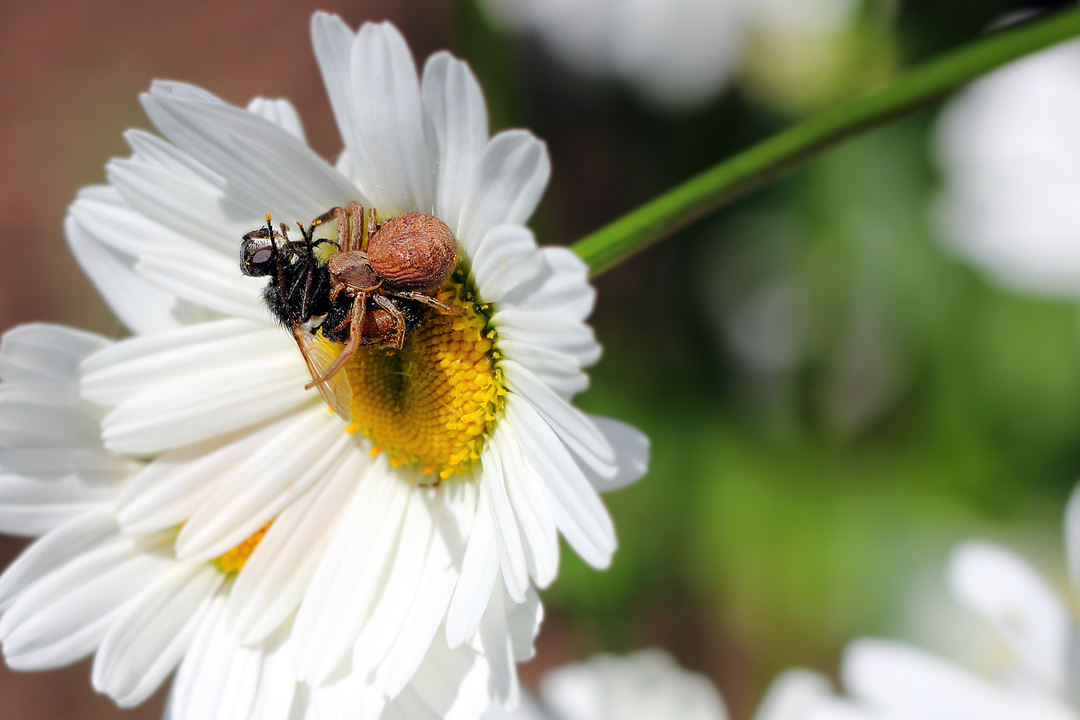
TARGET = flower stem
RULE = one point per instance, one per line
(752, 168)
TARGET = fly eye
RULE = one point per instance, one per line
(256, 257)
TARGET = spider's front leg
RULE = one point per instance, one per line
(399, 320)
(355, 335)
(427, 300)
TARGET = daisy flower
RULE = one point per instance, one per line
(1009, 150)
(196, 508)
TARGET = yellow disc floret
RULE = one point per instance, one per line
(432, 403)
(234, 560)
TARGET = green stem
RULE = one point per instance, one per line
(752, 168)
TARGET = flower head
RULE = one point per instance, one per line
(197, 507)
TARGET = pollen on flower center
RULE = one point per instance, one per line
(432, 403)
(234, 560)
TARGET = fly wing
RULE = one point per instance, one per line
(319, 355)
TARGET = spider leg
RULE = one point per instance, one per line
(399, 320)
(426, 300)
(355, 332)
(356, 222)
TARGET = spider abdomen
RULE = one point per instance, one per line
(414, 251)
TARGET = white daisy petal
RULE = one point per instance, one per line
(65, 615)
(347, 699)
(478, 571)
(131, 366)
(172, 189)
(904, 682)
(558, 370)
(341, 592)
(31, 508)
(108, 218)
(453, 683)
(455, 104)
(202, 405)
(542, 328)
(263, 485)
(142, 307)
(523, 624)
(421, 625)
(564, 290)
(506, 258)
(504, 523)
(406, 574)
(54, 550)
(276, 694)
(578, 512)
(281, 112)
(575, 428)
(529, 499)
(46, 356)
(276, 575)
(205, 278)
(33, 423)
(631, 448)
(176, 484)
(151, 634)
(393, 160)
(498, 650)
(88, 465)
(200, 680)
(409, 706)
(333, 40)
(1019, 603)
(505, 186)
(248, 150)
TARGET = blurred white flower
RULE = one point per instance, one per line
(196, 508)
(1009, 150)
(1038, 680)
(674, 52)
(650, 685)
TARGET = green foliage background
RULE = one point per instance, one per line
(789, 510)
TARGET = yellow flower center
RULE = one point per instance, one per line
(432, 403)
(234, 560)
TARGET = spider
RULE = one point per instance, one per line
(393, 264)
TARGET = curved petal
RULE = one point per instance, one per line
(479, 569)
(1006, 591)
(47, 357)
(150, 636)
(142, 307)
(273, 581)
(507, 258)
(393, 157)
(505, 186)
(281, 112)
(631, 454)
(263, 485)
(30, 507)
(454, 103)
(344, 588)
(204, 404)
(261, 158)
